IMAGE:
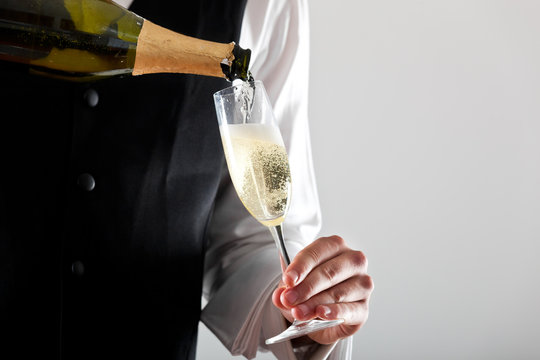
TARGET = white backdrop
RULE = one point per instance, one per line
(426, 138)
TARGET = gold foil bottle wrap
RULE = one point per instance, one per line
(160, 50)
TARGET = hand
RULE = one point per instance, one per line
(327, 279)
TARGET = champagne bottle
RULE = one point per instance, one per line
(92, 39)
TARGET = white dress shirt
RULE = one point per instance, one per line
(242, 264)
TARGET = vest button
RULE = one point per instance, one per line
(86, 182)
(77, 268)
(91, 97)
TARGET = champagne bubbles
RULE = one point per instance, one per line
(259, 170)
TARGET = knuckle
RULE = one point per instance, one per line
(339, 295)
(346, 331)
(337, 240)
(354, 328)
(368, 283)
(330, 272)
(359, 259)
(313, 256)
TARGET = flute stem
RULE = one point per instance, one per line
(277, 234)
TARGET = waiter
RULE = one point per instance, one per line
(112, 195)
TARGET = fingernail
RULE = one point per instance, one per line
(302, 310)
(326, 311)
(293, 277)
(291, 296)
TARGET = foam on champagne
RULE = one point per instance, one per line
(259, 169)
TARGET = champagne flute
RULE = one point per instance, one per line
(259, 170)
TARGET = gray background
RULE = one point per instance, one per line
(425, 121)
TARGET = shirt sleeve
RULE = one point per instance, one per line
(242, 266)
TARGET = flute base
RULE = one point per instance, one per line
(301, 328)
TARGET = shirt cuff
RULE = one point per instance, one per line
(240, 312)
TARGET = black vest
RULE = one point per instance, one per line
(106, 191)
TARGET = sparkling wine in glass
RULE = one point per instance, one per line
(259, 170)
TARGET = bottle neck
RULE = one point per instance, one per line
(238, 68)
(160, 50)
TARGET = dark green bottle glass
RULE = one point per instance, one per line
(92, 39)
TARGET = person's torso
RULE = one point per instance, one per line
(105, 196)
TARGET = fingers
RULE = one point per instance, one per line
(326, 279)
(355, 315)
(318, 252)
(333, 334)
(357, 288)
(348, 264)
(277, 302)
(276, 298)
